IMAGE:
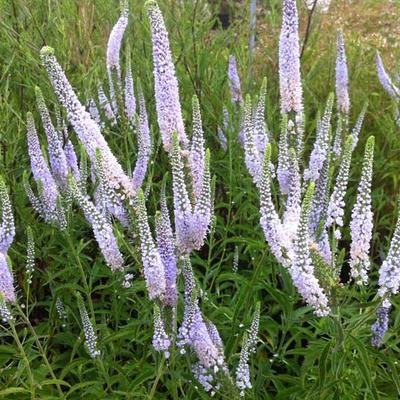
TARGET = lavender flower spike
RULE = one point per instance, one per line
(342, 79)
(88, 329)
(161, 341)
(291, 215)
(130, 99)
(57, 157)
(166, 248)
(321, 144)
(389, 272)
(385, 80)
(358, 125)
(234, 81)
(113, 50)
(381, 325)
(260, 132)
(197, 154)
(248, 347)
(169, 114)
(102, 229)
(87, 130)
(6, 280)
(269, 219)
(302, 270)
(106, 107)
(289, 60)
(283, 170)
(336, 205)
(41, 173)
(203, 209)
(115, 39)
(153, 267)
(362, 220)
(182, 206)
(144, 143)
(252, 155)
(7, 227)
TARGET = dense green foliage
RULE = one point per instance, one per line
(299, 356)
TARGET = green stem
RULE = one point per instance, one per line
(83, 276)
(24, 357)
(155, 383)
(41, 349)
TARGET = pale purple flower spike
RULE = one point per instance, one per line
(113, 50)
(41, 172)
(87, 130)
(362, 221)
(57, 157)
(381, 325)
(197, 153)
(130, 99)
(153, 267)
(302, 270)
(234, 81)
(144, 144)
(384, 78)
(166, 248)
(7, 227)
(169, 114)
(289, 60)
(6, 280)
(342, 78)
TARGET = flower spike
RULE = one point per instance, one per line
(169, 114)
(362, 220)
